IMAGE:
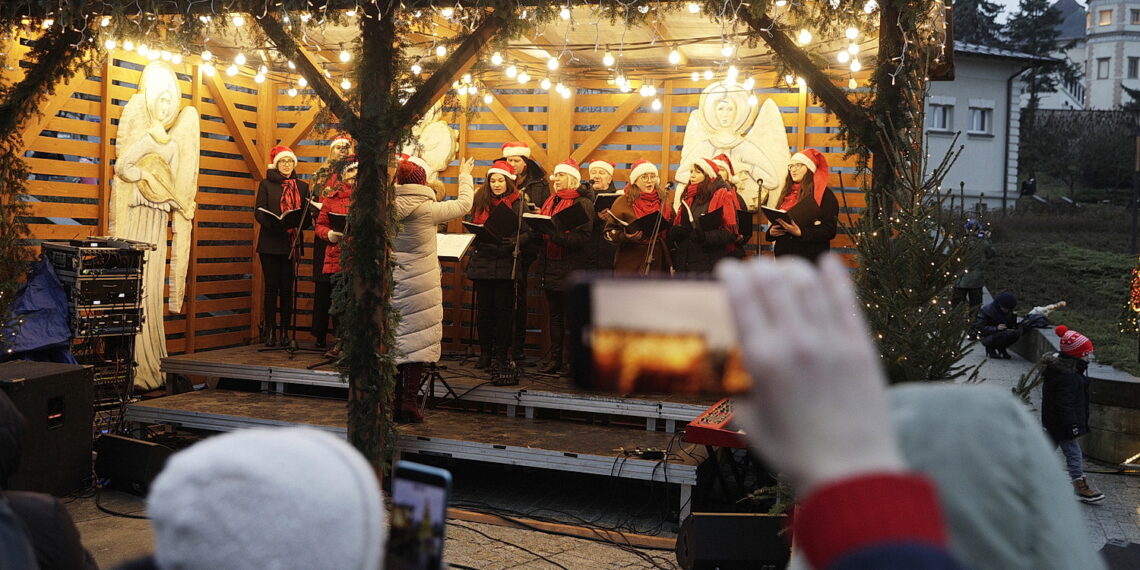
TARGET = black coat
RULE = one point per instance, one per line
(497, 260)
(600, 253)
(990, 316)
(818, 225)
(696, 251)
(273, 237)
(1065, 398)
(552, 273)
(536, 189)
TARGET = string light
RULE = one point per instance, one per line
(805, 37)
(852, 33)
(441, 50)
(566, 93)
(497, 59)
(749, 83)
(240, 59)
(467, 78)
(708, 75)
(106, 21)
(674, 56)
(129, 45)
(48, 23)
(870, 6)
(855, 65)
(176, 59)
(416, 69)
(853, 49)
(656, 105)
(524, 77)
(843, 57)
(487, 98)
(552, 63)
(512, 71)
(109, 44)
(292, 91)
(447, 13)
(206, 55)
(696, 76)
(208, 69)
(259, 78)
(732, 74)
(238, 20)
(302, 82)
(727, 50)
(564, 13)
(752, 100)
(345, 57)
(232, 70)
(142, 50)
(345, 84)
(608, 59)
(545, 84)
(694, 8)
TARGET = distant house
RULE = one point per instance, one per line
(982, 103)
(1104, 41)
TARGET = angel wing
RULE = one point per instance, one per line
(437, 143)
(771, 136)
(132, 127)
(186, 135)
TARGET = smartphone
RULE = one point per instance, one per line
(637, 335)
(420, 494)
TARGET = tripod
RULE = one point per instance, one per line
(432, 375)
(296, 249)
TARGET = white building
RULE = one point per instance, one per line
(1104, 41)
(982, 105)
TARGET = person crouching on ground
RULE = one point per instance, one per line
(997, 325)
(1065, 405)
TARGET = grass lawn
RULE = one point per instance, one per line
(1081, 255)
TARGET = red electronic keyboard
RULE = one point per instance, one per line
(712, 427)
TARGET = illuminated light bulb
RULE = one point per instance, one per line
(625, 88)
(674, 56)
(696, 76)
(262, 70)
(345, 57)
(566, 93)
(327, 74)
(467, 78)
(852, 33)
(302, 82)
(852, 84)
(497, 59)
(472, 90)
(487, 99)
(564, 13)
(749, 83)
(694, 8)
(165, 55)
(552, 63)
(801, 82)
(305, 16)
(870, 6)
(608, 59)
(208, 69)
(48, 23)
(152, 55)
(545, 84)
(455, 85)
(447, 13)
(109, 44)
(204, 19)
(732, 74)
(644, 91)
(727, 50)
(232, 70)
(239, 20)
(643, 9)
(345, 84)
(416, 69)
(805, 37)
(652, 90)
(440, 50)
(259, 78)
(106, 21)
(524, 77)
(620, 80)
(512, 71)
(789, 79)
(240, 59)
(291, 64)
(843, 57)
(853, 49)
(560, 87)
(129, 45)
(655, 105)
(855, 65)
(753, 101)
(708, 75)
(142, 50)
(176, 59)
(206, 55)
(292, 92)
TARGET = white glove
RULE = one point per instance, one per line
(818, 406)
(334, 236)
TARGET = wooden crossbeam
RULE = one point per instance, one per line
(614, 120)
(517, 130)
(238, 130)
(304, 126)
(53, 105)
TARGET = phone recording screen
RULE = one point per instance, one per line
(419, 517)
(646, 336)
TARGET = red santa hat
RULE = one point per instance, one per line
(570, 167)
(516, 148)
(722, 161)
(604, 165)
(1073, 343)
(341, 140)
(411, 170)
(707, 166)
(416, 161)
(278, 152)
(641, 166)
(502, 167)
(817, 164)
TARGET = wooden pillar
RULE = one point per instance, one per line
(106, 151)
(666, 130)
(190, 303)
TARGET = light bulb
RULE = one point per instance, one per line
(727, 50)
(708, 75)
(696, 76)
(206, 55)
(852, 84)
(291, 64)
(852, 33)
(165, 55)
(416, 69)
(232, 70)
(524, 77)
(259, 78)
(781, 3)
(855, 65)
(749, 83)
(467, 78)
(644, 91)
(472, 90)
(801, 82)
(545, 84)
(497, 59)
(853, 49)
(566, 93)
(345, 57)
(350, 14)
(240, 59)
(152, 55)
(674, 56)
(109, 44)
(204, 19)
(694, 8)
(512, 71)
(805, 37)
(447, 13)
(652, 90)
(564, 13)
(620, 80)
(239, 20)
(440, 50)
(560, 87)
(753, 101)
(129, 45)
(48, 23)
(789, 79)
(305, 16)
(142, 50)
(870, 6)
(292, 91)
(656, 105)
(262, 70)
(302, 82)
(625, 88)
(487, 99)
(176, 59)
(345, 84)
(732, 74)
(608, 59)
(552, 63)
(106, 21)
(327, 74)
(843, 57)
(208, 69)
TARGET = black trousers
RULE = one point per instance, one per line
(322, 302)
(556, 323)
(277, 294)
(519, 341)
(496, 302)
(971, 294)
(1001, 339)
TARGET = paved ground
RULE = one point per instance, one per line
(470, 544)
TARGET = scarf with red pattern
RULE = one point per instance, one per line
(290, 199)
(556, 203)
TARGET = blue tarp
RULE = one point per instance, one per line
(44, 334)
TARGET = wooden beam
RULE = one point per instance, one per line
(55, 50)
(226, 107)
(297, 132)
(614, 120)
(190, 302)
(267, 118)
(662, 32)
(666, 129)
(106, 152)
(517, 130)
(559, 142)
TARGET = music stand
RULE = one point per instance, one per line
(431, 375)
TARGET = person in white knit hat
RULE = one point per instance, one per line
(292, 498)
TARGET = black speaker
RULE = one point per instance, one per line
(129, 465)
(732, 540)
(56, 401)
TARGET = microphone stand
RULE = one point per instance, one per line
(511, 377)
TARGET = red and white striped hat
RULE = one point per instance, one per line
(502, 167)
(516, 148)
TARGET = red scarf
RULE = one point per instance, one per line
(791, 197)
(290, 200)
(508, 199)
(722, 199)
(688, 197)
(646, 203)
(556, 203)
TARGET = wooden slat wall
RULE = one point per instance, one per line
(70, 152)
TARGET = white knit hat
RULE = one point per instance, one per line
(268, 498)
(641, 166)
(569, 166)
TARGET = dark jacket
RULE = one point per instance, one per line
(600, 253)
(696, 251)
(818, 225)
(536, 189)
(990, 316)
(497, 260)
(552, 273)
(1065, 397)
(273, 237)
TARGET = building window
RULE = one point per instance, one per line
(1104, 17)
(1102, 68)
(1134, 15)
(981, 120)
(1133, 67)
(939, 117)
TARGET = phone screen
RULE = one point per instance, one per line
(654, 336)
(419, 517)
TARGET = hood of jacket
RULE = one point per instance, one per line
(411, 196)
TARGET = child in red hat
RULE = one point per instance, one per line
(1065, 405)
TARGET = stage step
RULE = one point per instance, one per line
(494, 438)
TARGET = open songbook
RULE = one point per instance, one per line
(500, 224)
(645, 224)
(567, 219)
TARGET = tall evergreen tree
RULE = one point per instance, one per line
(1034, 29)
(976, 22)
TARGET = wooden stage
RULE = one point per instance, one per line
(542, 422)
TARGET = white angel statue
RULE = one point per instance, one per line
(156, 174)
(434, 141)
(754, 138)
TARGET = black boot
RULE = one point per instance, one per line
(270, 335)
(484, 359)
(407, 394)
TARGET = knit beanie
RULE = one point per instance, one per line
(1006, 299)
(278, 152)
(1073, 343)
(410, 170)
(268, 498)
(640, 167)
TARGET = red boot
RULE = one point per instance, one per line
(407, 394)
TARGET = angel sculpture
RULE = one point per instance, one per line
(753, 138)
(434, 141)
(156, 174)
